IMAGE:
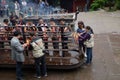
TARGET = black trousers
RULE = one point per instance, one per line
(19, 72)
(40, 66)
(55, 44)
(64, 45)
(1, 44)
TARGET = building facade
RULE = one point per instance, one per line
(74, 5)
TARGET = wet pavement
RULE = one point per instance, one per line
(106, 53)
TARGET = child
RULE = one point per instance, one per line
(89, 42)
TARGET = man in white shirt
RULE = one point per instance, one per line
(17, 8)
(24, 5)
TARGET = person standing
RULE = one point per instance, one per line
(88, 39)
(41, 7)
(17, 54)
(2, 31)
(43, 28)
(81, 31)
(89, 44)
(24, 5)
(3, 3)
(13, 18)
(4, 28)
(6, 25)
(21, 21)
(5, 7)
(54, 29)
(64, 36)
(37, 48)
(30, 11)
(17, 8)
(87, 5)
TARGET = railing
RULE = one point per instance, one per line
(58, 52)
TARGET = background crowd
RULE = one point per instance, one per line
(27, 8)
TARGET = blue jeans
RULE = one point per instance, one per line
(19, 73)
(89, 55)
(40, 66)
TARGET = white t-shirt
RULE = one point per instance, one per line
(17, 7)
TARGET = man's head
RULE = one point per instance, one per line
(16, 2)
(40, 0)
(41, 21)
(81, 24)
(17, 34)
(52, 21)
(62, 21)
(6, 21)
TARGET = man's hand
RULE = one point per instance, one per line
(24, 45)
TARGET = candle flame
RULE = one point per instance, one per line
(28, 41)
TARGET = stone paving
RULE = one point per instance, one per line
(106, 53)
(101, 21)
(106, 61)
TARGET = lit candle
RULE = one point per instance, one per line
(28, 42)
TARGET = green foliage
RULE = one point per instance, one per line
(117, 4)
(98, 4)
(105, 3)
(95, 6)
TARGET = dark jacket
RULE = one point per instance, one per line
(84, 37)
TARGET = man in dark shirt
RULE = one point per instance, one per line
(64, 37)
(43, 28)
(13, 18)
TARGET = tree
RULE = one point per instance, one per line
(117, 4)
(98, 4)
(105, 3)
(110, 3)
